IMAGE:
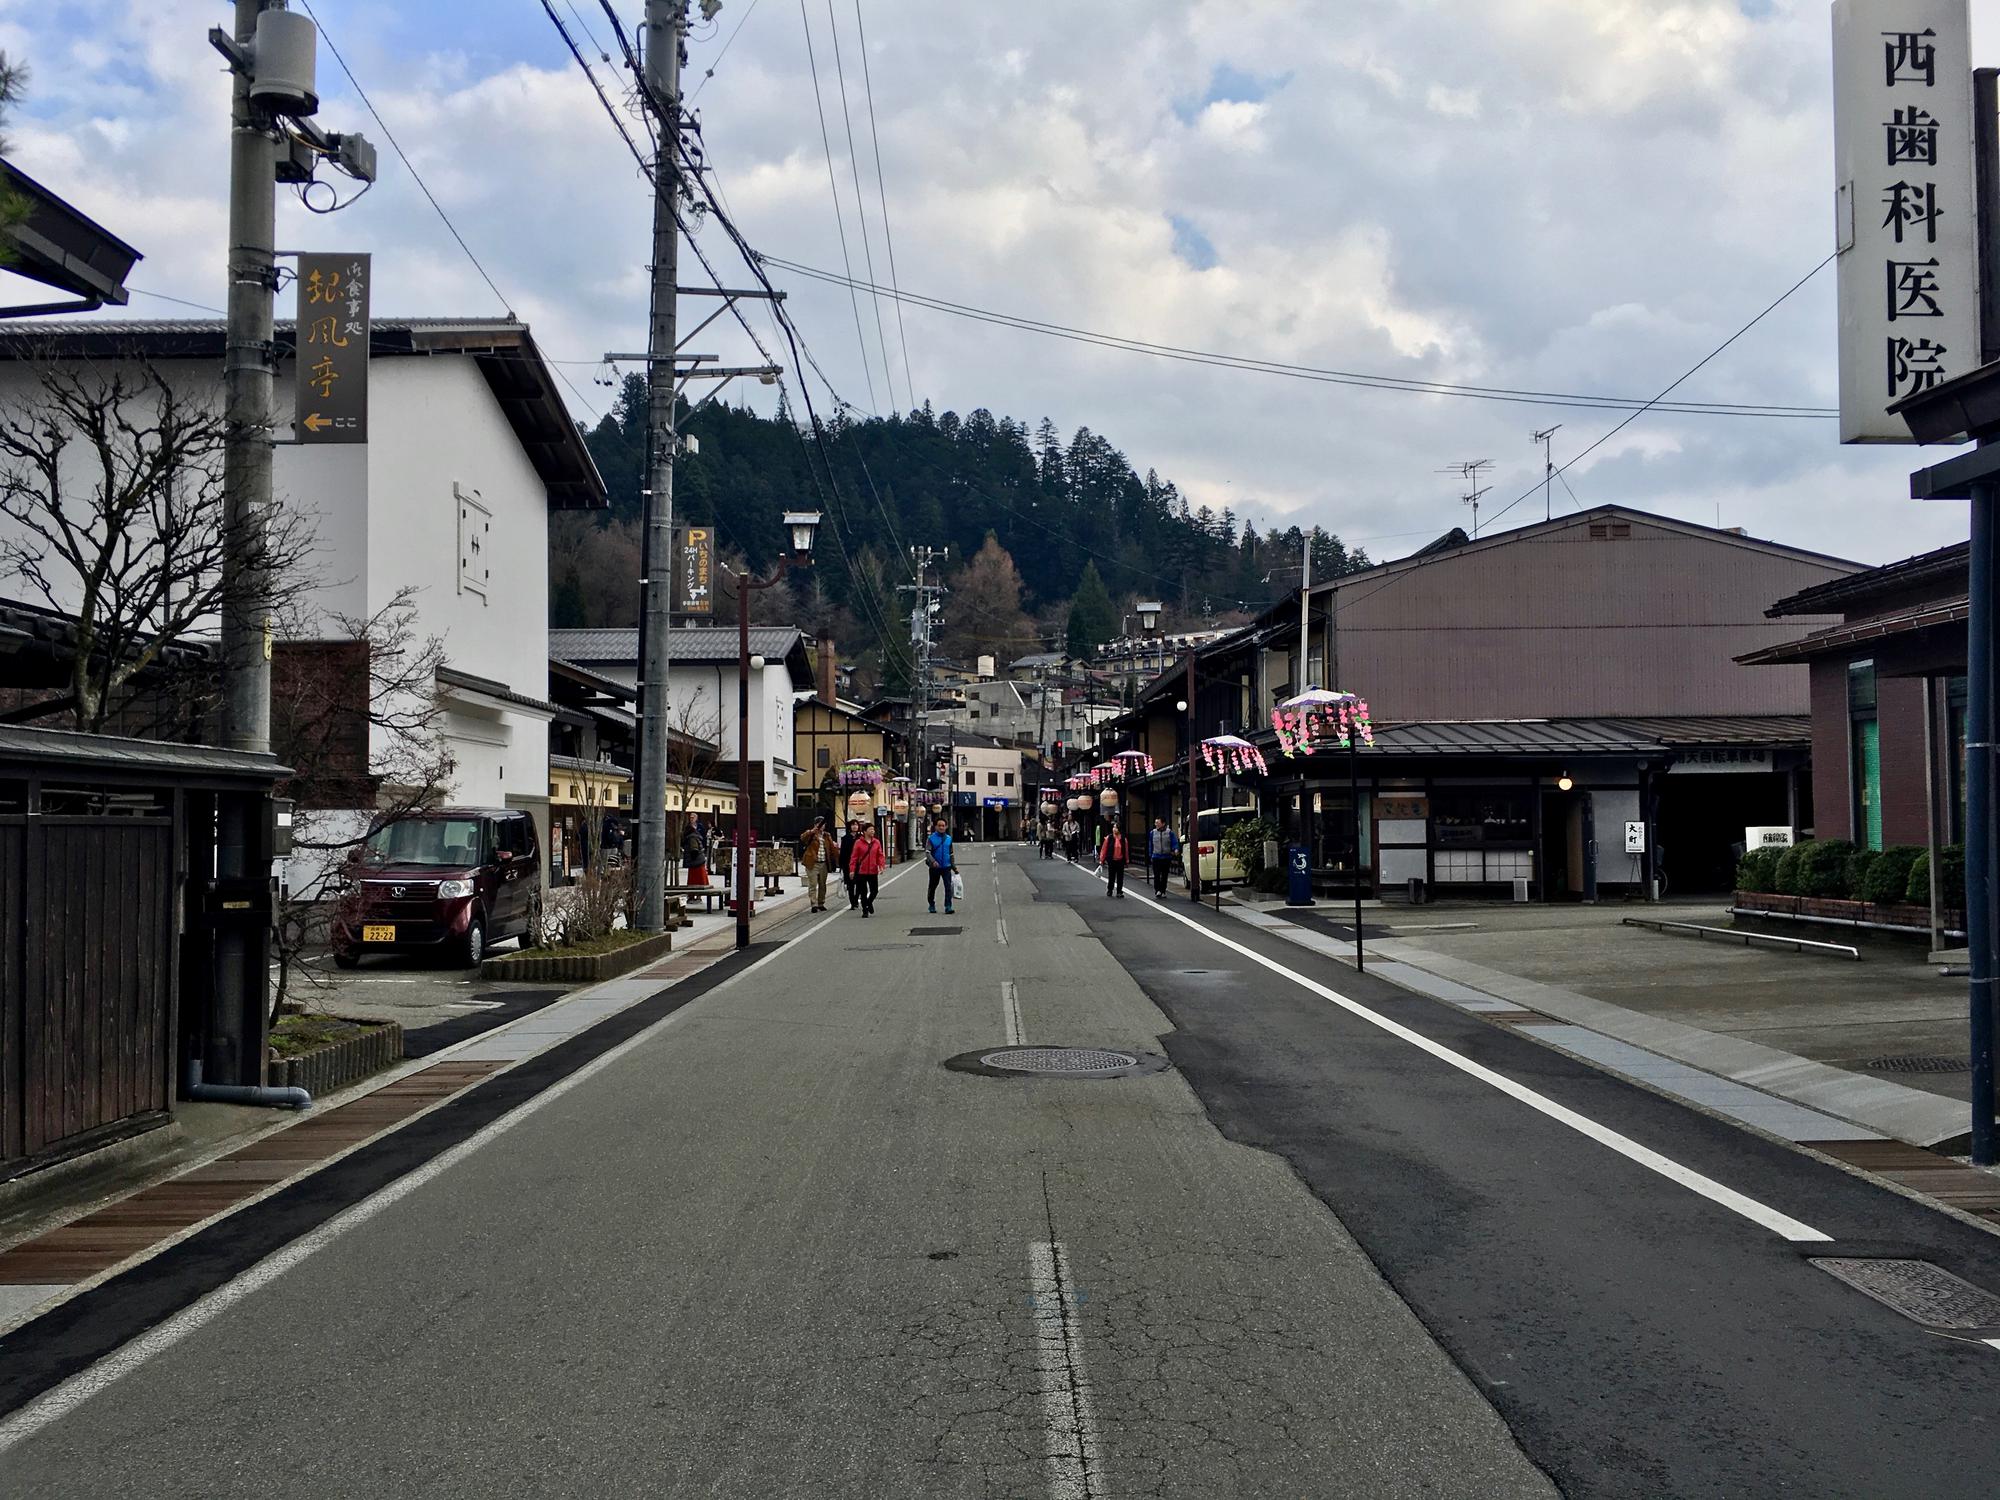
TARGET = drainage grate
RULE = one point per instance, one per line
(1059, 1060)
(1920, 1291)
(934, 931)
(1055, 1062)
(1933, 1064)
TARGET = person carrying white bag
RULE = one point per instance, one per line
(938, 854)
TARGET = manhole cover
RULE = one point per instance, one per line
(1055, 1062)
(934, 931)
(1916, 1064)
(1918, 1290)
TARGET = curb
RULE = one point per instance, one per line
(338, 1064)
(579, 968)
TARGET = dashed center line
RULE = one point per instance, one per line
(1010, 1013)
(1074, 1466)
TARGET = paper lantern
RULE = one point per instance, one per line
(859, 804)
(1109, 799)
(1075, 804)
(1083, 803)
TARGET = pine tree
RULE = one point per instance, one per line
(1092, 620)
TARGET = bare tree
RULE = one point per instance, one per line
(111, 482)
(358, 719)
(692, 757)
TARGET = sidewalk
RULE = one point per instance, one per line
(1806, 1047)
(224, 1157)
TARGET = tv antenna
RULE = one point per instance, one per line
(1471, 472)
(1548, 466)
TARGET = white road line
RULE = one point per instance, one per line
(79, 1388)
(1010, 1012)
(1653, 1161)
(1075, 1471)
(1000, 930)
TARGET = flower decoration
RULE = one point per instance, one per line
(860, 772)
(1232, 755)
(1321, 720)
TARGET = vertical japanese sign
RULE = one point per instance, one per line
(332, 351)
(1903, 173)
(697, 596)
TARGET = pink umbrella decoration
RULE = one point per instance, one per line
(1101, 773)
(1233, 755)
(1078, 782)
(1321, 720)
(860, 772)
(1129, 763)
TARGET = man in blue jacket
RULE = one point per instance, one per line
(937, 854)
(1162, 844)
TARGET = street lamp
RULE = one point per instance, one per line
(802, 524)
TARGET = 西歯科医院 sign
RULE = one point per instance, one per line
(1904, 204)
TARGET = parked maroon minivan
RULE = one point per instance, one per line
(457, 880)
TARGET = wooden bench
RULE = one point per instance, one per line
(709, 894)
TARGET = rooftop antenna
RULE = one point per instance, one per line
(1471, 472)
(1548, 466)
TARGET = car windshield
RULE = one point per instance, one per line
(443, 843)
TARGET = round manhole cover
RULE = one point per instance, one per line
(1055, 1062)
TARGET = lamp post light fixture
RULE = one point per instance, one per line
(803, 525)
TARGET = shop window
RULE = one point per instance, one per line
(13, 797)
(993, 778)
(104, 802)
(1480, 815)
(1007, 779)
(823, 757)
(1864, 760)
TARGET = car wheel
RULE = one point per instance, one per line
(346, 958)
(472, 947)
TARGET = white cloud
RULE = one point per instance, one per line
(1580, 195)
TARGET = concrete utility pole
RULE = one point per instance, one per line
(662, 62)
(249, 373)
(923, 635)
(1305, 615)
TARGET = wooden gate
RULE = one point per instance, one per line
(87, 940)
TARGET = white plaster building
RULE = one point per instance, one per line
(701, 690)
(469, 449)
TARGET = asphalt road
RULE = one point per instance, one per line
(773, 1247)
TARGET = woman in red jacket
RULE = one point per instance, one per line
(865, 864)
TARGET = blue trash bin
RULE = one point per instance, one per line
(1298, 875)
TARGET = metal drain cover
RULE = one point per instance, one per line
(1920, 1291)
(1055, 1062)
(1940, 1064)
(929, 931)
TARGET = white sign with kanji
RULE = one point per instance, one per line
(1904, 201)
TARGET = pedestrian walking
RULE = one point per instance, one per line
(1072, 837)
(1048, 838)
(1162, 844)
(865, 868)
(819, 851)
(846, 857)
(940, 856)
(694, 853)
(1114, 853)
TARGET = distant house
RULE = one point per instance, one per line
(701, 693)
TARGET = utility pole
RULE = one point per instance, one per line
(923, 612)
(1548, 467)
(1305, 614)
(1191, 846)
(662, 76)
(249, 373)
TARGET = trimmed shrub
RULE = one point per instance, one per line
(1822, 868)
(1951, 862)
(1785, 877)
(1859, 863)
(1758, 871)
(1888, 875)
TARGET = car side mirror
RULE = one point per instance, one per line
(503, 856)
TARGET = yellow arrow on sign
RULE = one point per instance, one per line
(314, 421)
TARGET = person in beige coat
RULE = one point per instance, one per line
(819, 852)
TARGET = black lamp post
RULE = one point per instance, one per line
(802, 524)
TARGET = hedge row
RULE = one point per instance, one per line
(1835, 868)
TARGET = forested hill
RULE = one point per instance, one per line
(1054, 504)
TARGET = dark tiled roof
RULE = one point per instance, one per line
(149, 759)
(685, 643)
(1946, 567)
(1638, 736)
(1839, 637)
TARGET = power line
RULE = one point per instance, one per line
(710, 72)
(1679, 379)
(882, 194)
(839, 219)
(424, 187)
(1309, 372)
(860, 203)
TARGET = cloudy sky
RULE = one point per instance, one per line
(1550, 195)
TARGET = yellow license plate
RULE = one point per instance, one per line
(378, 932)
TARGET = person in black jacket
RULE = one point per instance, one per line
(846, 855)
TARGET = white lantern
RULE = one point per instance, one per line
(1083, 803)
(1075, 804)
(859, 804)
(1109, 799)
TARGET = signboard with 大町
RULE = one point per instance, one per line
(331, 357)
(1904, 206)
